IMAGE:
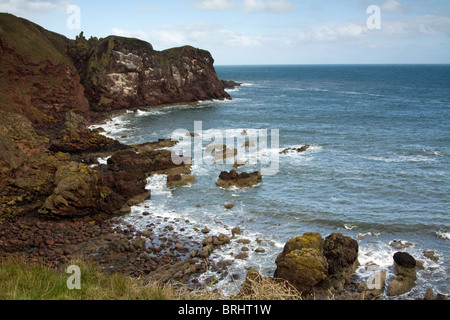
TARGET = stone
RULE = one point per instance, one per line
(404, 259)
(302, 268)
(429, 294)
(236, 231)
(341, 253)
(242, 256)
(430, 255)
(233, 179)
(405, 265)
(400, 285)
(179, 181)
(299, 150)
(225, 154)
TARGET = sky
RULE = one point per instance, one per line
(243, 32)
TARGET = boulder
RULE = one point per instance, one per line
(77, 192)
(405, 265)
(317, 266)
(405, 271)
(308, 240)
(178, 180)
(299, 150)
(341, 253)
(224, 154)
(303, 268)
(400, 285)
(233, 179)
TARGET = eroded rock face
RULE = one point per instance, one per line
(75, 137)
(77, 192)
(37, 77)
(43, 75)
(118, 72)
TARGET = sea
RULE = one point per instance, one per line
(377, 169)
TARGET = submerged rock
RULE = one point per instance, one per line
(299, 150)
(179, 180)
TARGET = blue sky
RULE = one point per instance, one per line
(263, 31)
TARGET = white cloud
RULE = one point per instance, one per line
(218, 5)
(129, 33)
(201, 35)
(268, 5)
(275, 6)
(27, 7)
(392, 6)
(334, 32)
(409, 28)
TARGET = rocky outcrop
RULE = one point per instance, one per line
(37, 77)
(27, 168)
(299, 150)
(230, 84)
(405, 274)
(178, 180)
(318, 267)
(75, 137)
(233, 179)
(120, 72)
(43, 75)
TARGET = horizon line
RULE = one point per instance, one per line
(336, 64)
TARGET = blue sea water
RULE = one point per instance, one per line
(378, 168)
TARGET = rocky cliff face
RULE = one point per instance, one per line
(37, 77)
(43, 75)
(51, 87)
(121, 72)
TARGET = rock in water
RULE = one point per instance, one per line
(233, 179)
(405, 271)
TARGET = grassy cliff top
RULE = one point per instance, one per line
(32, 41)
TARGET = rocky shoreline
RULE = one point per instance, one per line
(318, 268)
(58, 203)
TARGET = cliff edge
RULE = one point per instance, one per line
(43, 75)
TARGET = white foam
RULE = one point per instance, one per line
(400, 158)
(443, 234)
(158, 185)
(141, 113)
(103, 160)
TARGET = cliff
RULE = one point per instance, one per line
(43, 75)
(120, 72)
(37, 77)
(52, 87)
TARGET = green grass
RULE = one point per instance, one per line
(31, 40)
(20, 280)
